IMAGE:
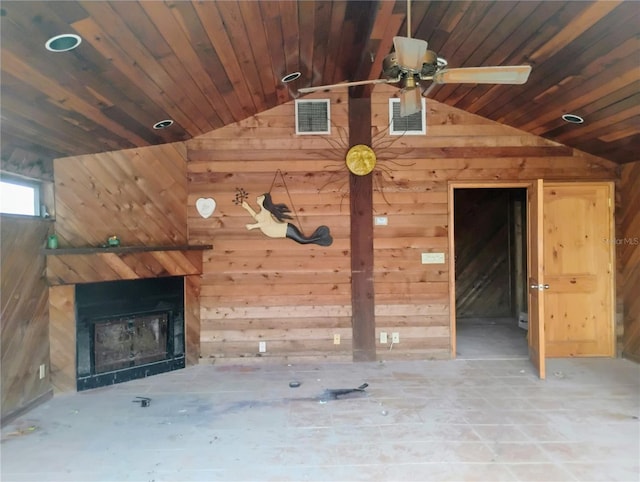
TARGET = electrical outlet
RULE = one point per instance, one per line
(43, 371)
(336, 339)
(262, 346)
(380, 221)
(395, 337)
(383, 337)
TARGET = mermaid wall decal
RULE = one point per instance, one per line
(272, 218)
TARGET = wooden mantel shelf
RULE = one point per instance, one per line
(67, 266)
(124, 249)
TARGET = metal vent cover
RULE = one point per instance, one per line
(414, 124)
(313, 116)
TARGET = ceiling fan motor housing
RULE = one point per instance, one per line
(391, 70)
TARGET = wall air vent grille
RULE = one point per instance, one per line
(313, 116)
(414, 124)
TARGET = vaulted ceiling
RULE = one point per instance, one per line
(206, 64)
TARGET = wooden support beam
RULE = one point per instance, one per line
(361, 203)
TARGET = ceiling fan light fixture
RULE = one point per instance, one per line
(410, 98)
(290, 77)
(410, 52)
(163, 124)
(63, 43)
(572, 119)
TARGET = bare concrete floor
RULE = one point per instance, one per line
(490, 339)
(462, 420)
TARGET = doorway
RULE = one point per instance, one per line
(490, 242)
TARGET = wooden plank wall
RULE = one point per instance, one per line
(628, 253)
(294, 297)
(95, 267)
(482, 253)
(414, 171)
(140, 195)
(25, 327)
(62, 336)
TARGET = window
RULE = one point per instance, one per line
(18, 196)
(414, 124)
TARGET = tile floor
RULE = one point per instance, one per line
(460, 420)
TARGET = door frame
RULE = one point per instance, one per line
(452, 185)
(530, 186)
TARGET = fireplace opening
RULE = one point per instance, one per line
(130, 341)
(129, 329)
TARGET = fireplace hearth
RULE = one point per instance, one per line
(128, 329)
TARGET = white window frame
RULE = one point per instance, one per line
(33, 184)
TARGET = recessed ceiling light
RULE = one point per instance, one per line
(163, 124)
(572, 119)
(291, 77)
(63, 43)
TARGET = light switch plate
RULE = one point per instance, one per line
(383, 337)
(380, 221)
(432, 258)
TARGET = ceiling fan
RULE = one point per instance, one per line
(411, 64)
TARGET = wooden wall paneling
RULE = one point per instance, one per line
(139, 195)
(294, 297)
(62, 335)
(95, 267)
(628, 253)
(24, 306)
(416, 188)
(482, 253)
(192, 318)
(251, 292)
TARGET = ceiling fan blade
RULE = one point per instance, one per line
(410, 52)
(306, 90)
(514, 74)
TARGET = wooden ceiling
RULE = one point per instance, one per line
(206, 64)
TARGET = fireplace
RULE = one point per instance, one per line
(128, 329)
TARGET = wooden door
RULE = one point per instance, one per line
(536, 334)
(578, 261)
